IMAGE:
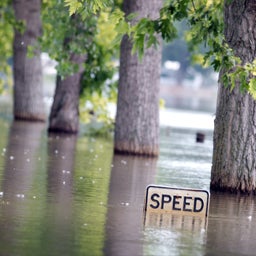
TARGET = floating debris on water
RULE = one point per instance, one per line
(125, 204)
(65, 172)
(11, 157)
(20, 195)
(4, 151)
(123, 162)
(4, 202)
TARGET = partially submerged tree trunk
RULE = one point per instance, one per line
(64, 116)
(234, 164)
(28, 90)
(137, 119)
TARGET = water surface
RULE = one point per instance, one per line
(70, 195)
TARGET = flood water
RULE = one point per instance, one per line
(68, 195)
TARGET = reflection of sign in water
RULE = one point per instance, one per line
(179, 222)
(191, 202)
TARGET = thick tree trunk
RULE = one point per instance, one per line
(137, 119)
(64, 115)
(28, 90)
(234, 162)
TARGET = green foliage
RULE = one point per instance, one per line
(245, 75)
(94, 113)
(91, 36)
(206, 25)
(98, 87)
(144, 33)
(65, 35)
(87, 7)
(205, 21)
(6, 36)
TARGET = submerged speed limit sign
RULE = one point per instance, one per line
(163, 199)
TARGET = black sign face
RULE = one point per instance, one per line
(161, 199)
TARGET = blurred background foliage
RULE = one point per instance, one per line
(98, 35)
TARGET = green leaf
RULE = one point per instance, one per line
(73, 6)
(252, 87)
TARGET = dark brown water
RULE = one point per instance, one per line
(68, 195)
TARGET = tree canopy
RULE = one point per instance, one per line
(90, 37)
(205, 25)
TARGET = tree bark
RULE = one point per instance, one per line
(234, 162)
(137, 118)
(64, 116)
(28, 90)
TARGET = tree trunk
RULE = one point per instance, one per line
(137, 119)
(234, 162)
(64, 115)
(28, 90)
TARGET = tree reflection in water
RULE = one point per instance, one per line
(22, 164)
(124, 227)
(59, 231)
(231, 225)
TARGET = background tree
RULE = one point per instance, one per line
(78, 45)
(234, 163)
(64, 115)
(28, 91)
(137, 120)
